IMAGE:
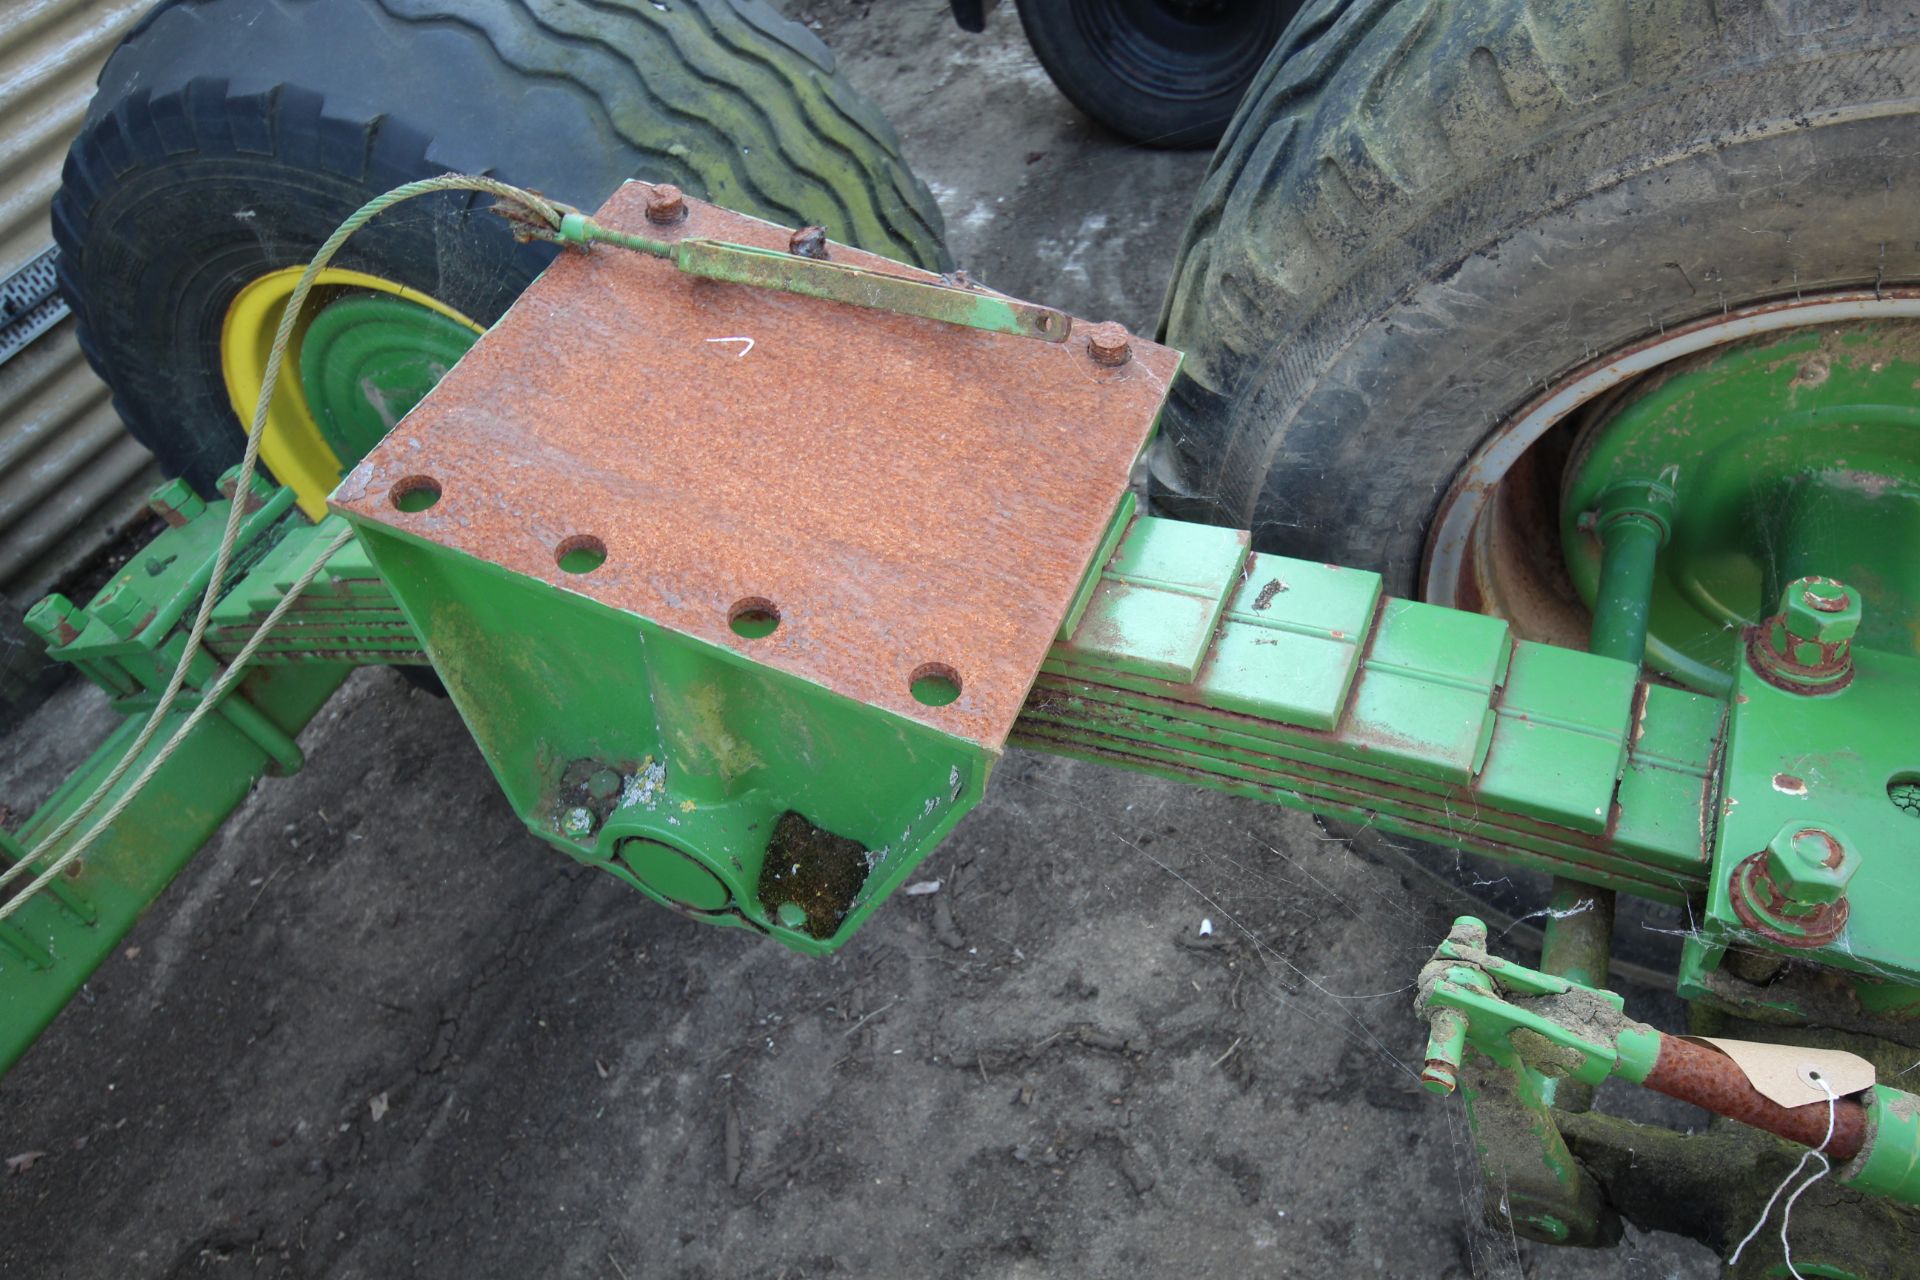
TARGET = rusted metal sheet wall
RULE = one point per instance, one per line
(69, 473)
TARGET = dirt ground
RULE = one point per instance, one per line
(378, 1030)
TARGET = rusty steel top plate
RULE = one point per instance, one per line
(905, 492)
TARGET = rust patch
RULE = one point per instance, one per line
(1707, 1078)
(814, 869)
(904, 491)
(1273, 588)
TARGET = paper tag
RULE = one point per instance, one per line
(1786, 1074)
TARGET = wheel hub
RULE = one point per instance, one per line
(1791, 456)
(365, 360)
(1790, 433)
(378, 347)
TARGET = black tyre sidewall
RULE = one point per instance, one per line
(254, 214)
(1333, 424)
(1083, 76)
(229, 138)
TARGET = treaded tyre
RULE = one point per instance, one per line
(1167, 73)
(1427, 217)
(229, 137)
(1425, 213)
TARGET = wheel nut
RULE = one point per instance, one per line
(1108, 344)
(666, 204)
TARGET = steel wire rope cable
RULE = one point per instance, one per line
(546, 223)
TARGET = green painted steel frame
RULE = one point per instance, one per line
(703, 751)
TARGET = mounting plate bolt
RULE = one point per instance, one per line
(1109, 344)
(1810, 866)
(809, 242)
(57, 620)
(1794, 891)
(578, 823)
(666, 204)
(1807, 647)
(122, 609)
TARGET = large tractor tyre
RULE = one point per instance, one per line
(229, 137)
(1438, 240)
(1166, 73)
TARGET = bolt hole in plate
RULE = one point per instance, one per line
(414, 493)
(753, 618)
(934, 684)
(1904, 790)
(582, 553)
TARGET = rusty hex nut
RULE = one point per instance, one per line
(809, 242)
(124, 612)
(1109, 344)
(1820, 611)
(176, 503)
(666, 204)
(1810, 866)
(56, 620)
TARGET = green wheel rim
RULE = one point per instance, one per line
(1790, 455)
(367, 359)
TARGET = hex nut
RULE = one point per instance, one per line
(1820, 610)
(1810, 865)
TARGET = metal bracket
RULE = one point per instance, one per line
(30, 303)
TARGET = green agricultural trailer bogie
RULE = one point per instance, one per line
(761, 686)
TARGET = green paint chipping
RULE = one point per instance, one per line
(1302, 684)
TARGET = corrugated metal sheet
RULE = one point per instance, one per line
(69, 473)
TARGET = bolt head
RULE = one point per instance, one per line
(1109, 344)
(1811, 865)
(1820, 610)
(808, 242)
(121, 609)
(577, 823)
(56, 620)
(666, 203)
(176, 502)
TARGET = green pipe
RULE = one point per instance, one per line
(1632, 525)
(262, 732)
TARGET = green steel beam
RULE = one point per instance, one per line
(54, 941)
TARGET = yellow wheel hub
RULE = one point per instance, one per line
(293, 446)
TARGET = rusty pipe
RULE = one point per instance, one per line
(1708, 1078)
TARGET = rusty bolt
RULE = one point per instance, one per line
(666, 204)
(57, 620)
(809, 242)
(259, 488)
(1108, 344)
(1807, 647)
(176, 503)
(1810, 866)
(577, 823)
(122, 609)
